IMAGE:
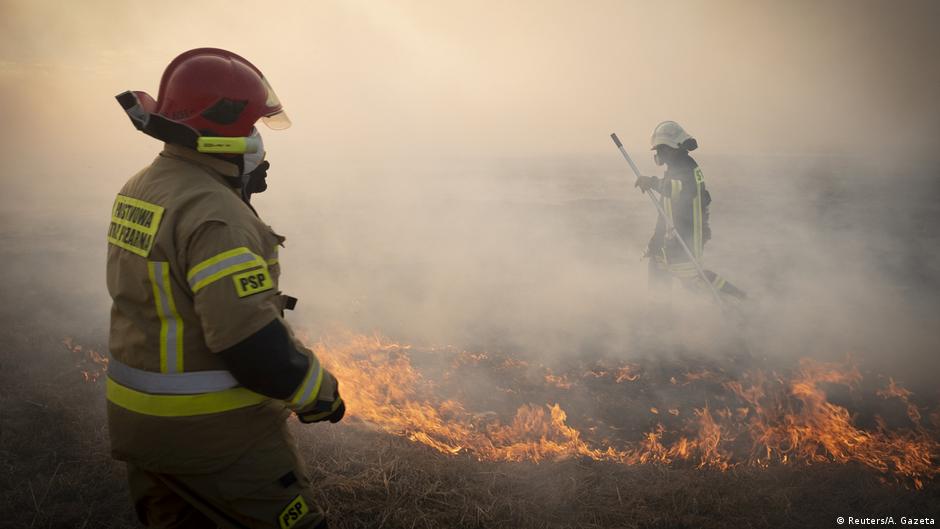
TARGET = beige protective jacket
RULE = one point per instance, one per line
(192, 270)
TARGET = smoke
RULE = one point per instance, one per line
(449, 177)
(840, 254)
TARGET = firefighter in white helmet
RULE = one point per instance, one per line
(204, 369)
(685, 200)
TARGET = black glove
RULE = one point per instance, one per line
(334, 415)
(324, 410)
(645, 183)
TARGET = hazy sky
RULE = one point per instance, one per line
(497, 78)
(450, 166)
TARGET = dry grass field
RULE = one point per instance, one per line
(56, 472)
(482, 464)
(470, 252)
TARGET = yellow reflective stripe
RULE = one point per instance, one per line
(310, 387)
(676, 187)
(225, 272)
(273, 261)
(181, 405)
(176, 319)
(221, 265)
(683, 270)
(216, 259)
(697, 226)
(224, 144)
(171, 324)
(163, 322)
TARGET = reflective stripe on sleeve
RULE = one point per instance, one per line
(171, 324)
(273, 261)
(310, 387)
(223, 264)
(181, 405)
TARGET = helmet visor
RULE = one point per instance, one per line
(277, 121)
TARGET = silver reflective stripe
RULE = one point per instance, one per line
(220, 266)
(171, 325)
(312, 381)
(170, 383)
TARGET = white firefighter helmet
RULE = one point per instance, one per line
(669, 133)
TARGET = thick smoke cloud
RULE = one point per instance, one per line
(450, 179)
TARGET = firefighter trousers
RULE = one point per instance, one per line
(661, 275)
(266, 488)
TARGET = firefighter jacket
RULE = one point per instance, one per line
(685, 201)
(192, 271)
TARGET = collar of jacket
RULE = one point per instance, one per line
(216, 165)
(682, 165)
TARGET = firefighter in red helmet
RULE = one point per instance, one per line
(204, 369)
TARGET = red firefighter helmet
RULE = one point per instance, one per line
(216, 93)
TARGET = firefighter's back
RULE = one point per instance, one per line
(156, 239)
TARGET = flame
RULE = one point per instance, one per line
(766, 419)
(895, 391)
(703, 374)
(89, 362)
(776, 419)
(626, 373)
(801, 425)
(560, 382)
(621, 374)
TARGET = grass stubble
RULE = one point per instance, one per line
(56, 471)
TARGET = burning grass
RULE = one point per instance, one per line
(717, 419)
(57, 471)
(367, 479)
